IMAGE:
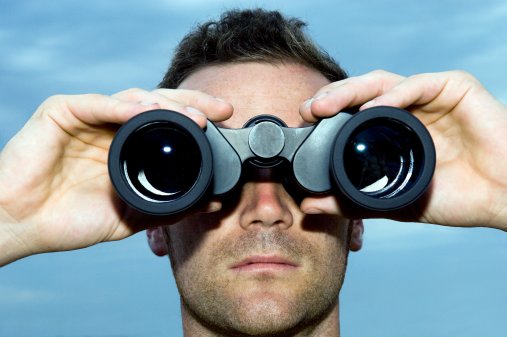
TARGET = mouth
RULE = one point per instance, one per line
(264, 263)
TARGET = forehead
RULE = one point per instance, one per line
(258, 88)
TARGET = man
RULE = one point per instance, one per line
(257, 263)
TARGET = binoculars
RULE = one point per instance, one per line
(382, 158)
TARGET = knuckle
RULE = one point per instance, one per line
(53, 100)
(464, 79)
(380, 72)
(131, 94)
(51, 104)
(94, 97)
(173, 95)
(163, 91)
(61, 103)
(460, 73)
(386, 76)
(463, 76)
(134, 90)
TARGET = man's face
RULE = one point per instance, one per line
(259, 265)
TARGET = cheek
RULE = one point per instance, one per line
(330, 252)
(203, 244)
(187, 240)
(328, 228)
(329, 236)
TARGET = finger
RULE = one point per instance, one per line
(215, 108)
(149, 97)
(212, 206)
(178, 100)
(350, 92)
(91, 109)
(327, 204)
(331, 205)
(436, 91)
(145, 97)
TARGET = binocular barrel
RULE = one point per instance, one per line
(382, 158)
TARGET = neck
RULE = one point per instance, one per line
(328, 326)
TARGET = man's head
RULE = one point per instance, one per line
(248, 36)
(259, 266)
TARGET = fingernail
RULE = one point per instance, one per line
(220, 99)
(368, 104)
(308, 103)
(212, 206)
(194, 111)
(320, 96)
(146, 103)
(312, 211)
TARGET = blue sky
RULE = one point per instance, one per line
(409, 280)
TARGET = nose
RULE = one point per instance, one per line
(265, 203)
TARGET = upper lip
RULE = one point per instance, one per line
(275, 259)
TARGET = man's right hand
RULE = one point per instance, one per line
(55, 192)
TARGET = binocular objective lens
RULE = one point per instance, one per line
(380, 158)
(161, 161)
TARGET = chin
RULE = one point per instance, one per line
(263, 311)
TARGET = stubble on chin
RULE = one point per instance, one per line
(264, 302)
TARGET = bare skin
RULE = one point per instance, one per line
(294, 260)
(469, 187)
(57, 162)
(54, 171)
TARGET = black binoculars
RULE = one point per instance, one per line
(382, 158)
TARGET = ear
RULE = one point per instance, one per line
(356, 237)
(156, 241)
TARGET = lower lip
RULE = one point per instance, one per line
(263, 267)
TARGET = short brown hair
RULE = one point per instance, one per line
(248, 35)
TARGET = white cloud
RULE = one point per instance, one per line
(11, 295)
(31, 59)
(42, 52)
